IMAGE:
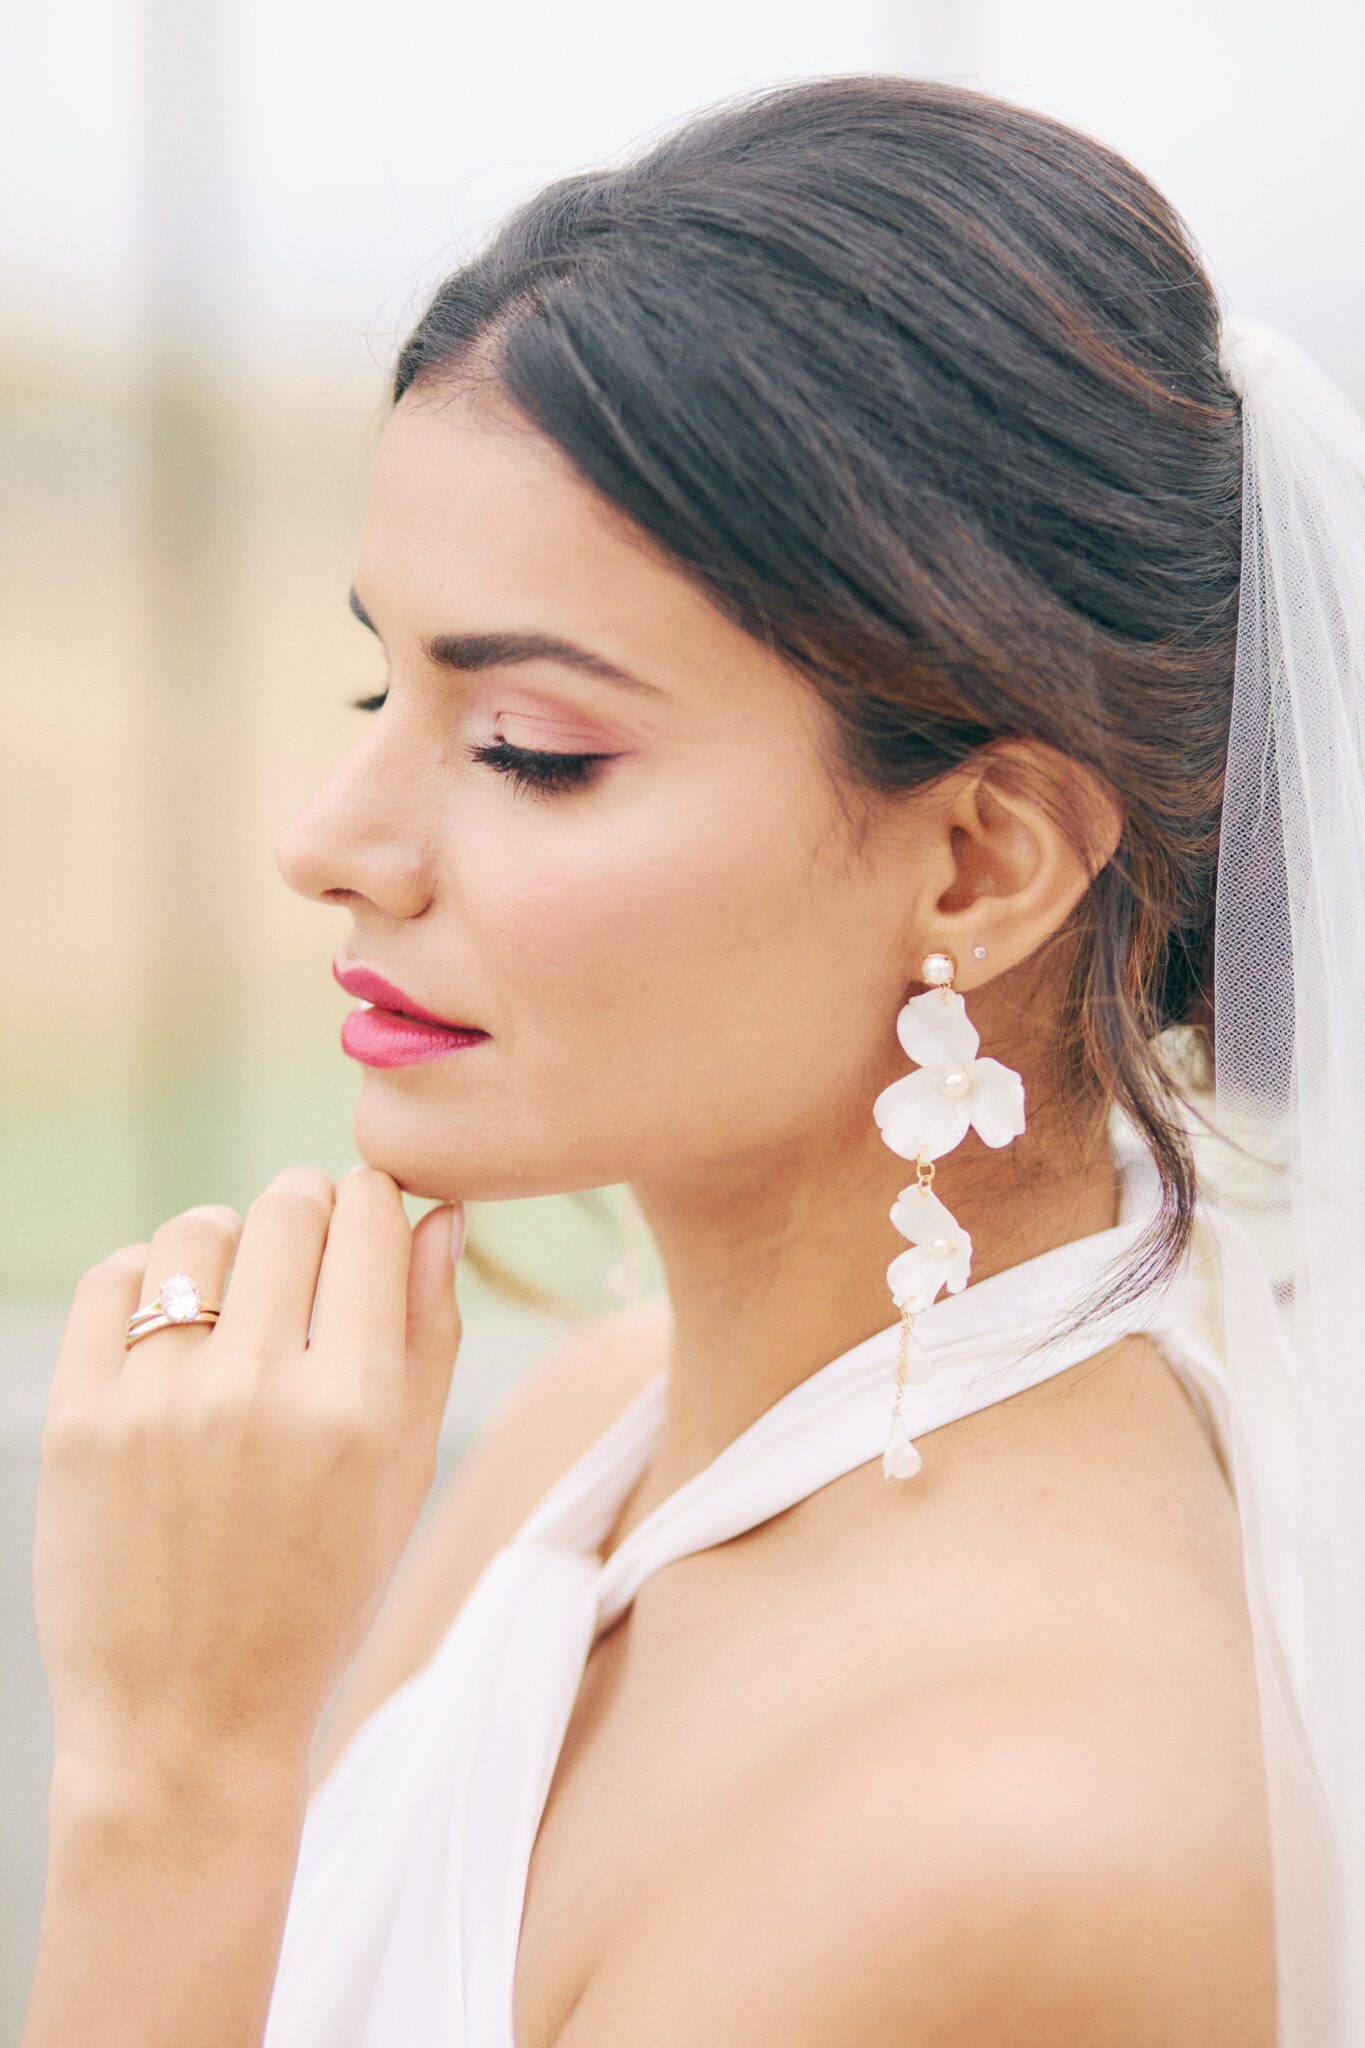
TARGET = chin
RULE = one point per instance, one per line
(441, 1159)
(398, 1144)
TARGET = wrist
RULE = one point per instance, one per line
(123, 1772)
(168, 1885)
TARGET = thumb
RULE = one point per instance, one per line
(434, 1323)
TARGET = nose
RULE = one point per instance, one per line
(352, 842)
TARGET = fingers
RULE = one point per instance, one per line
(279, 1256)
(380, 1296)
(91, 1350)
(199, 1242)
(360, 1310)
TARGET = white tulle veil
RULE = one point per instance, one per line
(1289, 1158)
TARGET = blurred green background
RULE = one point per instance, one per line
(179, 659)
(174, 1033)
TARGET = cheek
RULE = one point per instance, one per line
(680, 933)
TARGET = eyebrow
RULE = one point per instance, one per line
(472, 651)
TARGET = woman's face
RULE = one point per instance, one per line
(682, 964)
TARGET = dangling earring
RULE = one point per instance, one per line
(922, 1116)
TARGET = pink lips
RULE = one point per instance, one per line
(397, 1031)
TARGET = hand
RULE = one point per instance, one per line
(221, 1508)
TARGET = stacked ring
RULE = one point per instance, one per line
(178, 1304)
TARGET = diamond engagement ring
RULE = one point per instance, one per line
(179, 1302)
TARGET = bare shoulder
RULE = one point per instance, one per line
(1011, 1867)
(1029, 1805)
(555, 1412)
(1051, 1855)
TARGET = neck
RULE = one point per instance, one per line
(785, 1269)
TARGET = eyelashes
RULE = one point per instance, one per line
(531, 769)
(542, 773)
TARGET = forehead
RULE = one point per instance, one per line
(476, 521)
(457, 463)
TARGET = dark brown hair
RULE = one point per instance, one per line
(922, 389)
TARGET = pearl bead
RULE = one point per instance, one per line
(940, 1247)
(955, 1082)
(938, 969)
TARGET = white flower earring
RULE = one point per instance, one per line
(922, 1116)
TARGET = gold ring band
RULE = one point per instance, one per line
(154, 1308)
(149, 1326)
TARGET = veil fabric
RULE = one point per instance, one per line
(1289, 1139)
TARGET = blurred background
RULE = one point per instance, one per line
(218, 222)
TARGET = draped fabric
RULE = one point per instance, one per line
(406, 1910)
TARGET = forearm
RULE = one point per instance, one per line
(165, 1904)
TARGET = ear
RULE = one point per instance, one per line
(1022, 832)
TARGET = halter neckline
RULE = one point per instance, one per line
(405, 1918)
(991, 1340)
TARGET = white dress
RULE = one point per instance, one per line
(405, 1915)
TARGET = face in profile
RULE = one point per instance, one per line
(597, 822)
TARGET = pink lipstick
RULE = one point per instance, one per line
(392, 1029)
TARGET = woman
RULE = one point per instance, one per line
(807, 563)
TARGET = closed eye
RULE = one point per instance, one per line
(533, 769)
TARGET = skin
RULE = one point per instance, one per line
(183, 1483)
(690, 970)
(690, 973)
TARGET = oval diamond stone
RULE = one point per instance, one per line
(180, 1298)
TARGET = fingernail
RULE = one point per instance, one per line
(457, 1231)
